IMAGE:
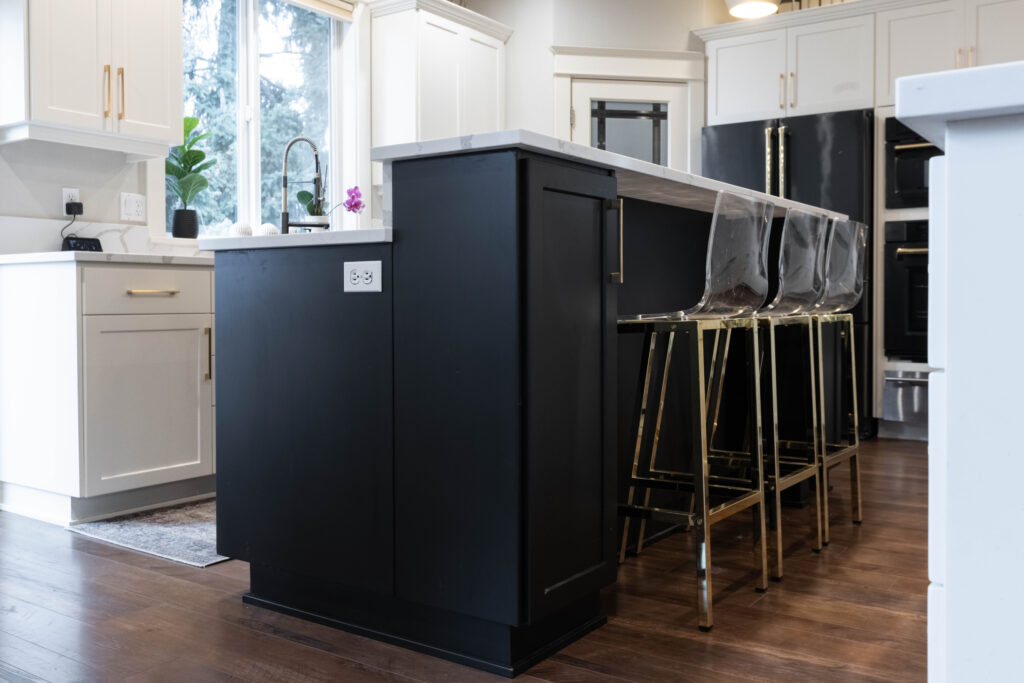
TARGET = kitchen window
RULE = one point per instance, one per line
(257, 74)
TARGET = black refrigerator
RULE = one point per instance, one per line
(823, 160)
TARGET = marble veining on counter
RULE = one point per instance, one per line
(297, 239)
(636, 179)
(105, 257)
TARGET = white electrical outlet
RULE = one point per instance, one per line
(68, 194)
(133, 207)
(362, 276)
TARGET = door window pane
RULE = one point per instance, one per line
(211, 94)
(634, 129)
(295, 78)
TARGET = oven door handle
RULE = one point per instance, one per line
(911, 251)
(911, 145)
(907, 380)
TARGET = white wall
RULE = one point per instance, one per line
(32, 174)
(647, 24)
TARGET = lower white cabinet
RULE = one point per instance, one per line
(106, 374)
(148, 400)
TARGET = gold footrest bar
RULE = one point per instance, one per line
(794, 478)
(720, 512)
(657, 514)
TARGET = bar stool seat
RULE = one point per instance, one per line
(736, 285)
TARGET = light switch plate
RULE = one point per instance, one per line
(363, 276)
(133, 207)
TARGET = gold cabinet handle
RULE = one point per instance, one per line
(792, 86)
(209, 353)
(153, 292)
(782, 161)
(768, 160)
(911, 251)
(782, 91)
(106, 77)
(959, 57)
(912, 145)
(120, 78)
(617, 277)
(970, 56)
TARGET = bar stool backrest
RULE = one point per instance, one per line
(844, 266)
(736, 273)
(801, 263)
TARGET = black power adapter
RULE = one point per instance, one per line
(74, 242)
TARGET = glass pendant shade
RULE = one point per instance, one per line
(752, 9)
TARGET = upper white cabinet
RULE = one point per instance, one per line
(916, 40)
(747, 77)
(995, 31)
(831, 66)
(99, 73)
(438, 70)
(849, 55)
(825, 66)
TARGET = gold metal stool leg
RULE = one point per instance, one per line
(757, 457)
(817, 444)
(652, 340)
(855, 437)
(699, 449)
(823, 434)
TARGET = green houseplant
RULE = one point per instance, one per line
(184, 168)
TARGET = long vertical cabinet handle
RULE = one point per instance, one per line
(970, 56)
(959, 57)
(208, 331)
(120, 78)
(617, 277)
(782, 161)
(792, 86)
(106, 77)
(782, 91)
(768, 160)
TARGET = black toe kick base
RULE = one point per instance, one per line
(487, 645)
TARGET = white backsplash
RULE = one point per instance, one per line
(27, 235)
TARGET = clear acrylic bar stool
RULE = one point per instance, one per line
(793, 449)
(736, 285)
(844, 286)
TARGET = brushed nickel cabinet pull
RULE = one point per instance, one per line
(120, 77)
(153, 292)
(768, 160)
(106, 77)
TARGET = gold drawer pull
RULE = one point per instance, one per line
(912, 145)
(153, 292)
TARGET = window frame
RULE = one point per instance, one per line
(345, 117)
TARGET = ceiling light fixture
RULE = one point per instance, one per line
(752, 9)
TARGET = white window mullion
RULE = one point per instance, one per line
(249, 200)
(337, 172)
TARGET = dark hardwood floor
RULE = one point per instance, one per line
(76, 609)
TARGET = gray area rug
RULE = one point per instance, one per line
(186, 533)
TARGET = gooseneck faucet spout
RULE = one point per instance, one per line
(318, 188)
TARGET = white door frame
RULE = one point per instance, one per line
(656, 66)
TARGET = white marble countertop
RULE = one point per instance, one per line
(636, 179)
(105, 257)
(297, 239)
(928, 102)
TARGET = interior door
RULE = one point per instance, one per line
(69, 46)
(147, 57)
(994, 31)
(641, 119)
(148, 400)
(746, 77)
(831, 66)
(915, 40)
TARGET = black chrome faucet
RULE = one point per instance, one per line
(318, 189)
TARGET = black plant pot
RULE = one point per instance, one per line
(185, 223)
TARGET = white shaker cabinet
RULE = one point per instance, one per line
(97, 73)
(806, 69)
(914, 40)
(438, 70)
(995, 31)
(747, 77)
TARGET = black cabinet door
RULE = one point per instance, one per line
(572, 244)
(741, 154)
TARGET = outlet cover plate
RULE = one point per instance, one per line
(133, 207)
(362, 276)
(68, 194)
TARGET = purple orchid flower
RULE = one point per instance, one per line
(354, 203)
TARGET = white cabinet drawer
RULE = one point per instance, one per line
(116, 289)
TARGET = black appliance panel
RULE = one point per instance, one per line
(906, 290)
(906, 166)
(737, 153)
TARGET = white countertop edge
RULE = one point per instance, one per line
(298, 239)
(104, 257)
(928, 102)
(575, 151)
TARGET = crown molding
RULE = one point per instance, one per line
(811, 15)
(578, 51)
(448, 10)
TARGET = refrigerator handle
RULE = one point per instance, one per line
(768, 160)
(782, 161)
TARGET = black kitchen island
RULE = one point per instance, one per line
(434, 464)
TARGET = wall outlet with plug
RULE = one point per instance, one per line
(133, 207)
(68, 194)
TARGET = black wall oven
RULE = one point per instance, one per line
(906, 290)
(906, 166)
